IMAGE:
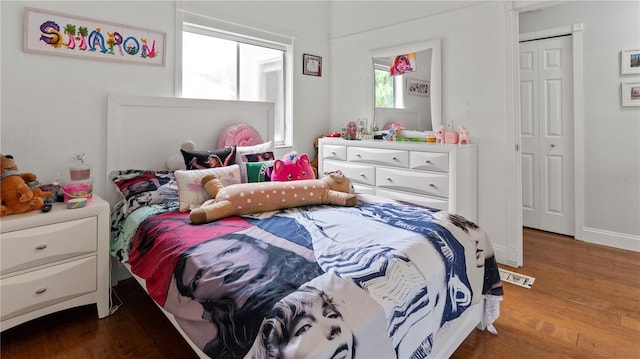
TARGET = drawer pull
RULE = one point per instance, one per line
(389, 179)
(41, 290)
(333, 153)
(394, 158)
(431, 185)
(363, 175)
(358, 155)
(41, 246)
(427, 162)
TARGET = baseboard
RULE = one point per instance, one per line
(612, 239)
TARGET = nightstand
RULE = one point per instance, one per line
(54, 261)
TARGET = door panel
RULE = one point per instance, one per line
(547, 134)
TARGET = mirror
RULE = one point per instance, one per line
(413, 109)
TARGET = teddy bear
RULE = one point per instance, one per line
(292, 168)
(15, 194)
(247, 198)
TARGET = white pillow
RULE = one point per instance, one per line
(250, 150)
(176, 160)
(191, 194)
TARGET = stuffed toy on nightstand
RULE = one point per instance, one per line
(15, 194)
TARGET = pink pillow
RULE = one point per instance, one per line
(239, 135)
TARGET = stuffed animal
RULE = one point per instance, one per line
(246, 198)
(440, 134)
(292, 168)
(464, 135)
(15, 194)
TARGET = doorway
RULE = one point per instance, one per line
(546, 134)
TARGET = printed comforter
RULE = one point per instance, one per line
(377, 280)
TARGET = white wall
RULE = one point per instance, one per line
(53, 107)
(611, 132)
(473, 77)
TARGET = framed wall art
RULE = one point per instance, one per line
(631, 93)
(54, 33)
(311, 65)
(630, 62)
(418, 87)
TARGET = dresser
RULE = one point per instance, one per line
(54, 261)
(442, 176)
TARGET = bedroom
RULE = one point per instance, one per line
(77, 106)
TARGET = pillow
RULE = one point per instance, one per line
(176, 160)
(243, 151)
(239, 135)
(191, 193)
(195, 160)
(259, 171)
(139, 188)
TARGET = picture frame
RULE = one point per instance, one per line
(52, 33)
(631, 94)
(311, 65)
(630, 62)
(418, 87)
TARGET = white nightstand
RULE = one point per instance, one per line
(54, 261)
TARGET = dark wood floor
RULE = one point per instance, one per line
(585, 303)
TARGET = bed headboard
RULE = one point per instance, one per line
(142, 131)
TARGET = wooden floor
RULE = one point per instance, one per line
(585, 303)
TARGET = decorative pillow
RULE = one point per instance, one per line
(242, 157)
(139, 188)
(176, 160)
(197, 160)
(190, 191)
(259, 171)
(239, 135)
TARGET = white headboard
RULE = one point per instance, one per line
(142, 131)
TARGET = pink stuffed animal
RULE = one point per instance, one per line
(464, 135)
(440, 134)
(292, 168)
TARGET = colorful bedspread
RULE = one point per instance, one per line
(373, 281)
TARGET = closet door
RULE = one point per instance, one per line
(546, 78)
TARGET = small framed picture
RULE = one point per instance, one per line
(630, 62)
(418, 87)
(311, 65)
(631, 94)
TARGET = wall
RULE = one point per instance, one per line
(474, 92)
(611, 132)
(54, 107)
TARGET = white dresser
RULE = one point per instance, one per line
(54, 261)
(442, 176)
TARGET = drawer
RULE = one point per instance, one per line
(396, 158)
(334, 152)
(426, 201)
(433, 184)
(45, 244)
(429, 161)
(45, 287)
(364, 189)
(356, 173)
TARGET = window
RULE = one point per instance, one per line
(217, 64)
(388, 89)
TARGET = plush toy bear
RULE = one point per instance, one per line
(246, 198)
(292, 168)
(15, 194)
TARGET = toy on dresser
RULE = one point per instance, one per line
(292, 168)
(443, 136)
(15, 195)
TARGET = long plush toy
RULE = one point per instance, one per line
(246, 198)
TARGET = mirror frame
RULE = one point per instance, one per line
(436, 74)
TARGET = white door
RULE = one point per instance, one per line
(546, 100)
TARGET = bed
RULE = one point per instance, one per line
(382, 279)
